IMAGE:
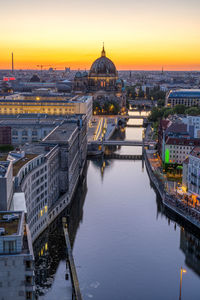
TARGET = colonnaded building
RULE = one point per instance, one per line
(102, 81)
(187, 97)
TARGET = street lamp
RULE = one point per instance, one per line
(181, 275)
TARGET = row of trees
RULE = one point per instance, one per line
(134, 92)
(106, 108)
(163, 112)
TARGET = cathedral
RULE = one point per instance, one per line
(102, 82)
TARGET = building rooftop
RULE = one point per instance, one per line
(10, 222)
(186, 161)
(20, 163)
(189, 93)
(61, 133)
(182, 141)
(177, 127)
(19, 202)
(195, 152)
(3, 168)
(34, 119)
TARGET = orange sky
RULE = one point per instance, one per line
(145, 35)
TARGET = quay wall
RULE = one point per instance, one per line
(169, 201)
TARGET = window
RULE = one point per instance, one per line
(9, 246)
(24, 132)
(28, 295)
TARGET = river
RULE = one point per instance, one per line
(125, 245)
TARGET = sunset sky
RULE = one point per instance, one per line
(144, 34)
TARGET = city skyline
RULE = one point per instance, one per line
(147, 35)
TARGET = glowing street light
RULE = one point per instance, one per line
(181, 275)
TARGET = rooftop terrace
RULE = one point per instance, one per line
(12, 226)
(20, 163)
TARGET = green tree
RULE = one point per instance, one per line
(179, 109)
(168, 112)
(193, 111)
(161, 102)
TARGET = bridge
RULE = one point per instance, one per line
(135, 125)
(131, 117)
(120, 143)
(123, 156)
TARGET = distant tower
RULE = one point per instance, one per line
(130, 75)
(12, 63)
(162, 70)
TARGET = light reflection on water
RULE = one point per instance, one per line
(125, 247)
(125, 244)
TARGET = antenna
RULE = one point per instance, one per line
(12, 63)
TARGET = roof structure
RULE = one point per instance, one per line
(185, 93)
(103, 66)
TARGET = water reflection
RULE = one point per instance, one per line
(126, 245)
(190, 245)
(50, 248)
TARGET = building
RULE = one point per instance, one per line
(187, 97)
(49, 172)
(29, 128)
(54, 104)
(193, 125)
(102, 82)
(164, 123)
(6, 184)
(5, 135)
(176, 139)
(176, 150)
(193, 176)
(185, 175)
(16, 257)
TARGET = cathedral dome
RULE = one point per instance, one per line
(103, 67)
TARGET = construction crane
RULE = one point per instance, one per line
(41, 66)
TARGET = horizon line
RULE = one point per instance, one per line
(85, 69)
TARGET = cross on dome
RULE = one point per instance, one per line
(103, 52)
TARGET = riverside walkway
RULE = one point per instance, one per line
(181, 208)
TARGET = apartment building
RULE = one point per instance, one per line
(16, 257)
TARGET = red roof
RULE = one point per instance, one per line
(164, 123)
(177, 128)
(182, 141)
(195, 152)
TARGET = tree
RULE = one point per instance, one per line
(179, 109)
(161, 102)
(168, 112)
(193, 111)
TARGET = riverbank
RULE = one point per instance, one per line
(170, 201)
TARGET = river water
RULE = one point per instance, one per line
(125, 245)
